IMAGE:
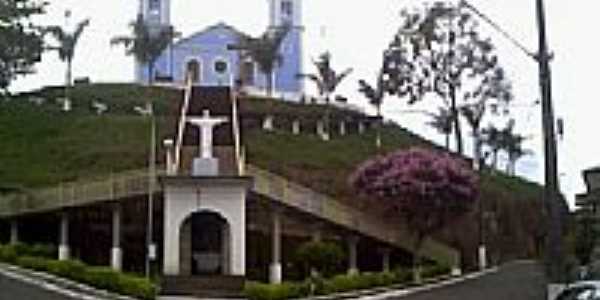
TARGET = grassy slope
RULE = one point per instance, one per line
(42, 146)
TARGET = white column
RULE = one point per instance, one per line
(482, 257)
(275, 272)
(14, 232)
(116, 257)
(361, 127)
(342, 128)
(268, 123)
(171, 232)
(168, 144)
(63, 246)
(385, 257)
(352, 255)
(296, 127)
(321, 131)
(456, 271)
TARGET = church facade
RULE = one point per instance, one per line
(208, 57)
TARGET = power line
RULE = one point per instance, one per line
(498, 28)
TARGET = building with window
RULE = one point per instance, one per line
(207, 54)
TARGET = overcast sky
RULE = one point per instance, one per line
(356, 32)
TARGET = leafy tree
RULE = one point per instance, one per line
(324, 257)
(494, 91)
(264, 50)
(327, 80)
(428, 190)
(375, 95)
(66, 46)
(146, 43)
(21, 40)
(585, 235)
(442, 122)
(439, 52)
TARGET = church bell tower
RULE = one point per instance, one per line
(289, 12)
(156, 14)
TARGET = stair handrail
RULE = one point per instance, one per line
(182, 120)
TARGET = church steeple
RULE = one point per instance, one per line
(286, 12)
(156, 12)
(289, 12)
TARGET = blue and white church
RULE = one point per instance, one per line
(205, 54)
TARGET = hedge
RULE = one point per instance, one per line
(98, 277)
(336, 284)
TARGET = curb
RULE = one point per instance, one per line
(59, 285)
(402, 290)
(449, 280)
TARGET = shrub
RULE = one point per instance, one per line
(261, 291)
(34, 263)
(71, 269)
(137, 287)
(8, 254)
(325, 257)
(385, 278)
(42, 250)
(102, 277)
(435, 270)
(99, 277)
(343, 283)
(403, 276)
(37, 250)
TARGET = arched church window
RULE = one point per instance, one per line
(221, 67)
(193, 70)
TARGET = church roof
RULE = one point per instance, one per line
(220, 25)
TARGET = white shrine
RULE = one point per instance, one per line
(205, 214)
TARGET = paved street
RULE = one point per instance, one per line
(516, 281)
(11, 289)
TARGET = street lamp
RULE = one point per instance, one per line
(150, 246)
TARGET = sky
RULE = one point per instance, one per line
(356, 33)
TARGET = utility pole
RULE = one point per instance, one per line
(554, 254)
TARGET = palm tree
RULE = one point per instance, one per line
(327, 80)
(375, 96)
(146, 43)
(66, 47)
(264, 50)
(442, 122)
(514, 149)
(492, 137)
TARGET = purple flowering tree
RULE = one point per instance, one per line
(426, 189)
